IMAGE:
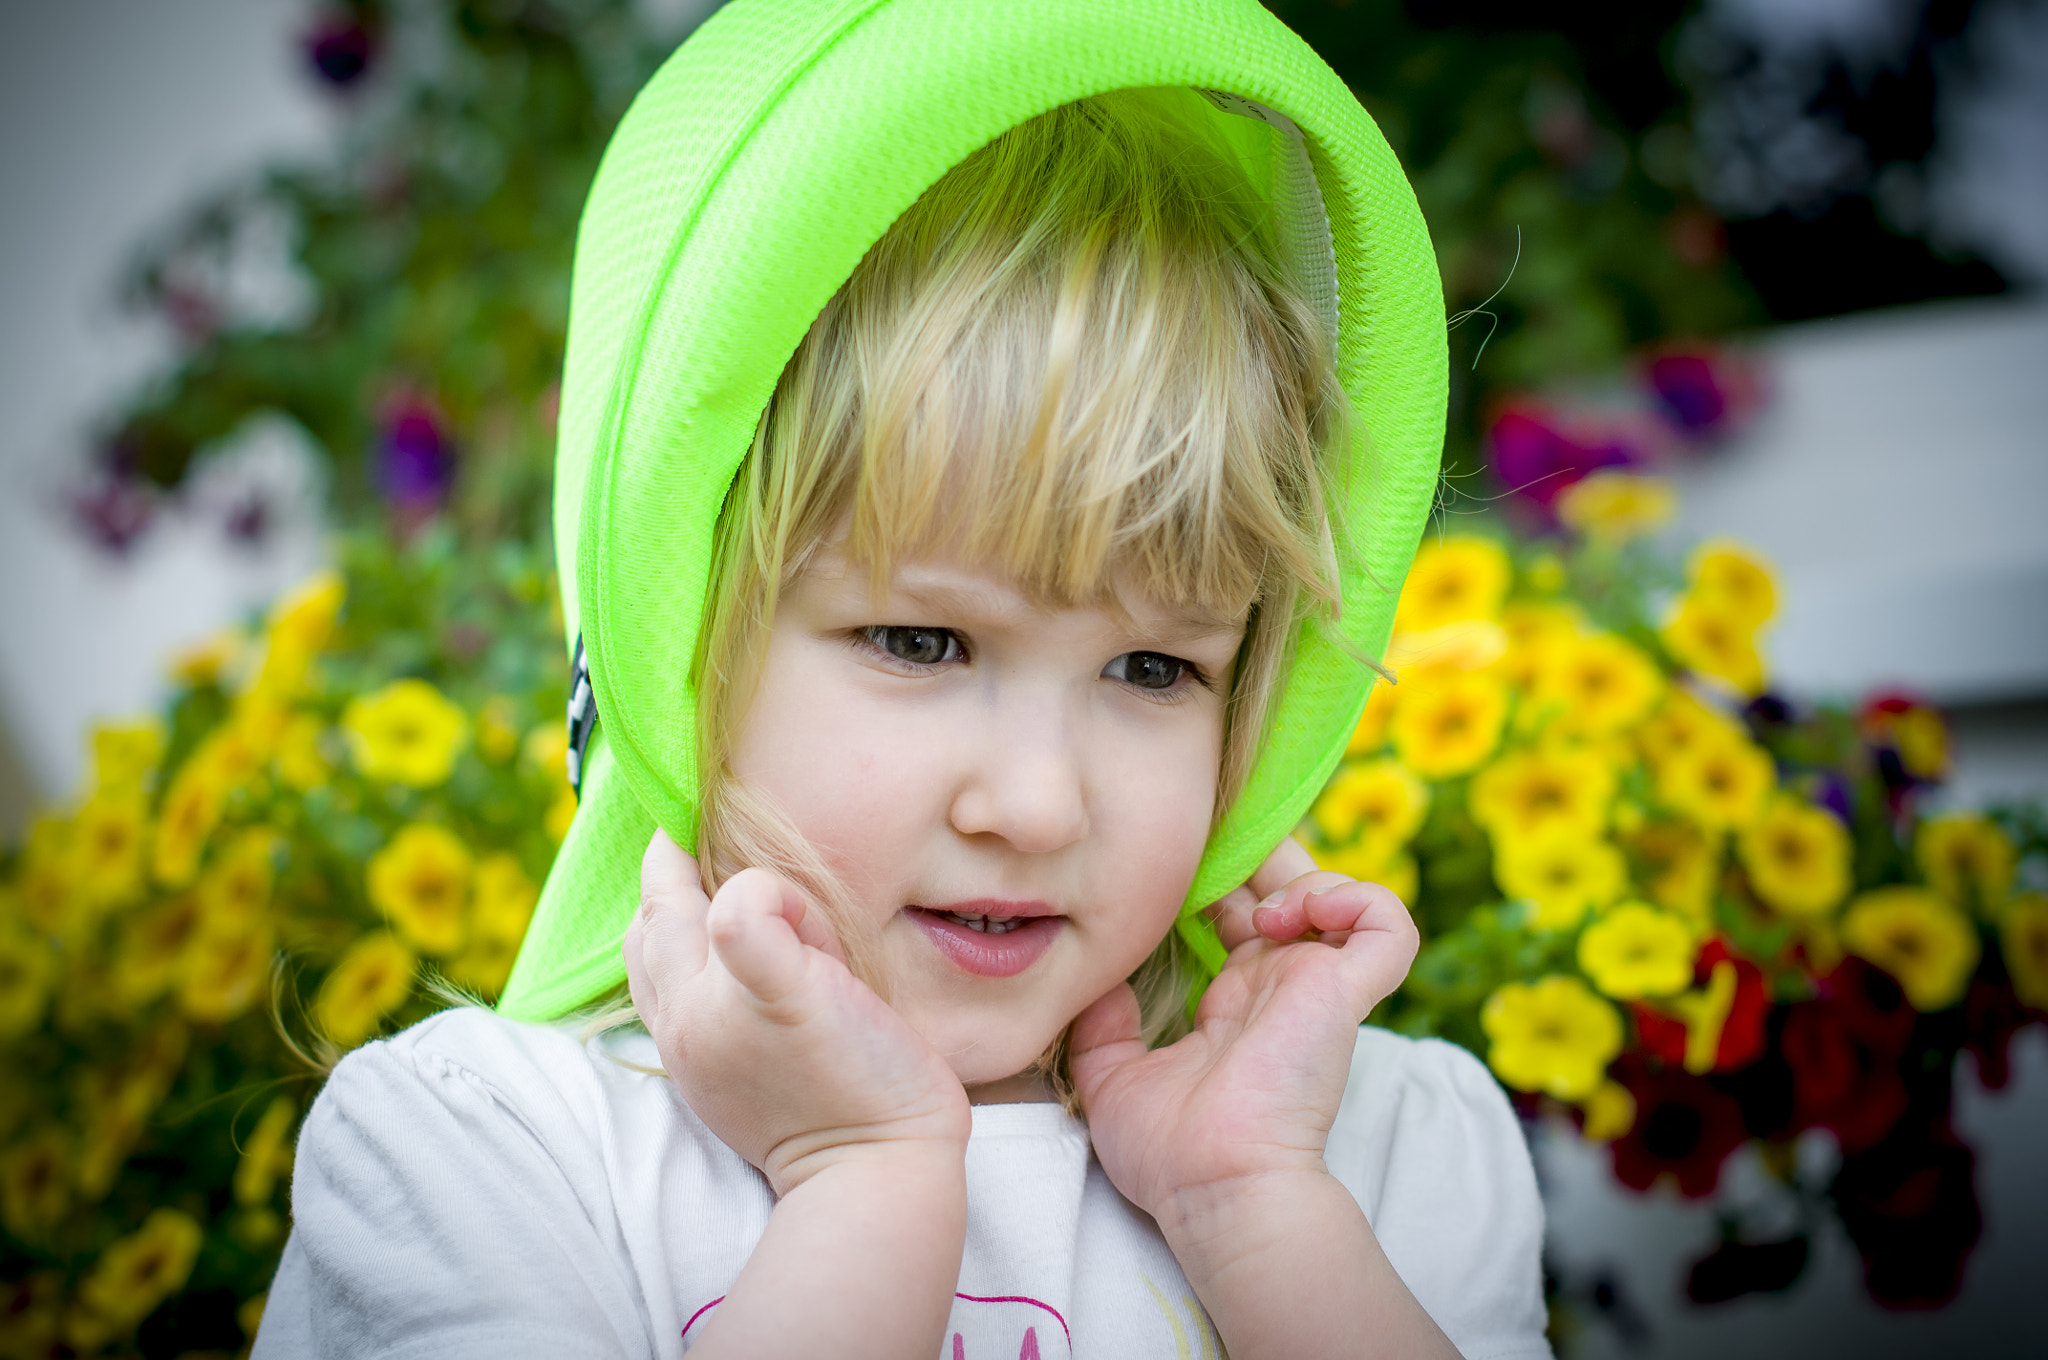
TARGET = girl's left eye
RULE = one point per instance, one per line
(918, 646)
(1147, 670)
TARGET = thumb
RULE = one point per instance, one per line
(752, 935)
(1105, 1037)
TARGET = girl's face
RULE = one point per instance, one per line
(1016, 797)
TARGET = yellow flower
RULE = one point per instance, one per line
(300, 626)
(1561, 876)
(1705, 636)
(1391, 869)
(1921, 739)
(299, 761)
(305, 617)
(1549, 788)
(224, 972)
(1453, 579)
(35, 1184)
(1378, 802)
(1928, 946)
(1735, 579)
(151, 951)
(1636, 951)
(1450, 723)
(2023, 938)
(108, 839)
(1683, 724)
(1681, 864)
(1546, 574)
(505, 898)
(118, 1102)
(1465, 645)
(208, 662)
(560, 813)
(1610, 1112)
(188, 816)
(1966, 860)
(1797, 856)
(31, 1309)
(234, 894)
(1595, 685)
(547, 748)
(267, 1155)
(496, 737)
(1553, 1035)
(1616, 506)
(143, 1269)
(406, 733)
(26, 970)
(1371, 732)
(421, 882)
(369, 982)
(125, 757)
(1720, 783)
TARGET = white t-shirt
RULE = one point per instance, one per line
(478, 1187)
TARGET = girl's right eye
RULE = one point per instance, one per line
(918, 646)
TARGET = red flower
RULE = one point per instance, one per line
(1685, 1128)
(1838, 1083)
(1871, 1005)
(1737, 1016)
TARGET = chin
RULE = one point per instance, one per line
(977, 1061)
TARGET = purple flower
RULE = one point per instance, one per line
(114, 508)
(341, 47)
(1536, 456)
(415, 462)
(1703, 394)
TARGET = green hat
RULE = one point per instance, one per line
(740, 191)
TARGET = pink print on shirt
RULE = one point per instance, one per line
(982, 1327)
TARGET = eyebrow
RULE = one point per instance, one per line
(947, 596)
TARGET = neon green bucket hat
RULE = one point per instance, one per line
(741, 190)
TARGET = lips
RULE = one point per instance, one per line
(990, 939)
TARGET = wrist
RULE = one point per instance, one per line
(1241, 1216)
(900, 1165)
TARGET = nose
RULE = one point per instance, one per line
(1027, 783)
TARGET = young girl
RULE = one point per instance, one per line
(992, 435)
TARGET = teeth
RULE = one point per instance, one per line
(987, 925)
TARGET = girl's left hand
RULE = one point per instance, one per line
(1254, 1089)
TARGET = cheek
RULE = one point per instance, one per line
(826, 755)
(1154, 822)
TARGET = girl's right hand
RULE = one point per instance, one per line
(783, 1053)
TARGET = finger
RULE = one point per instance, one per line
(1232, 915)
(1233, 912)
(1379, 949)
(1349, 905)
(752, 936)
(1284, 915)
(1105, 1036)
(672, 905)
(1288, 862)
(665, 939)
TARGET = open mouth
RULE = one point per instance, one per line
(1000, 942)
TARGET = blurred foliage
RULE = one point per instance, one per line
(429, 257)
(1676, 909)
(1553, 133)
(333, 812)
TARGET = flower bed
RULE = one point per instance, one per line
(1652, 896)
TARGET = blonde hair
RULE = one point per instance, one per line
(1079, 358)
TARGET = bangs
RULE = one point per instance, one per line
(1075, 361)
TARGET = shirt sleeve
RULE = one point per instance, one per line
(436, 1215)
(1428, 1144)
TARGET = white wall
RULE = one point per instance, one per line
(114, 114)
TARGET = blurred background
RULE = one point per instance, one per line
(284, 293)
